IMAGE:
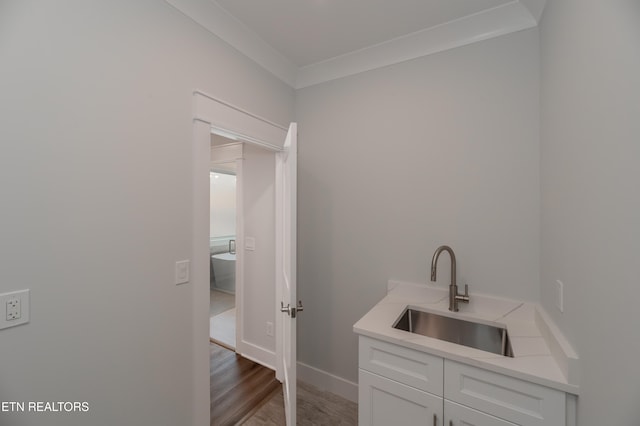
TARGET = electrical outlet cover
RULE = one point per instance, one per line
(14, 308)
(182, 272)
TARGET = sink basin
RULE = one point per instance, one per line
(476, 335)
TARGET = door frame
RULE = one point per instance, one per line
(211, 112)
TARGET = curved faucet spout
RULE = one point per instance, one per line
(434, 263)
(454, 296)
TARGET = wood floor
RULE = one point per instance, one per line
(246, 393)
(315, 408)
(238, 386)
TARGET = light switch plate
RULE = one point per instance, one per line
(14, 308)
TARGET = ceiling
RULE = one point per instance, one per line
(310, 31)
(306, 42)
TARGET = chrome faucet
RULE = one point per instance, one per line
(454, 296)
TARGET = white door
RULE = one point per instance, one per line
(288, 307)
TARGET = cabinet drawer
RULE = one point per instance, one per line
(517, 401)
(414, 368)
(384, 402)
(459, 415)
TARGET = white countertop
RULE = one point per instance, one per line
(541, 354)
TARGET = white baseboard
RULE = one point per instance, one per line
(328, 382)
(257, 354)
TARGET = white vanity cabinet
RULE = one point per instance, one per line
(398, 386)
(401, 386)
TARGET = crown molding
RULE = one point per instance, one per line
(484, 25)
(511, 17)
(535, 7)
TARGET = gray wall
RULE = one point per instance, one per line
(95, 181)
(590, 148)
(397, 161)
(96, 130)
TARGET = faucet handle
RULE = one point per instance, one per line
(464, 298)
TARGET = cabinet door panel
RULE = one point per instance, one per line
(518, 401)
(414, 368)
(384, 402)
(459, 415)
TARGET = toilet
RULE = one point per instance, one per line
(223, 266)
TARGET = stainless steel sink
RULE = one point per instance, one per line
(476, 335)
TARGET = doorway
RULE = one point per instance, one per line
(242, 209)
(255, 238)
(222, 248)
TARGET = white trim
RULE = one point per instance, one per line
(484, 25)
(279, 253)
(572, 410)
(247, 126)
(535, 7)
(222, 24)
(516, 15)
(201, 153)
(238, 109)
(328, 382)
(257, 354)
(225, 154)
(240, 262)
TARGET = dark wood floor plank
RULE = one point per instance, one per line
(238, 385)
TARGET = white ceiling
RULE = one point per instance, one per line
(310, 31)
(306, 42)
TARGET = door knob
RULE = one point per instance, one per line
(291, 311)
